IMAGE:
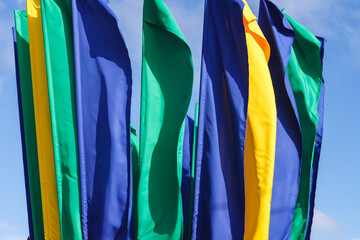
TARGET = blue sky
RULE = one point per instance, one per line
(337, 214)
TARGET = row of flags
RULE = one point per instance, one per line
(244, 168)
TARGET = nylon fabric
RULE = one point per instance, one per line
(43, 123)
(280, 36)
(318, 143)
(23, 145)
(219, 198)
(305, 75)
(103, 95)
(260, 132)
(167, 78)
(59, 58)
(187, 148)
(29, 133)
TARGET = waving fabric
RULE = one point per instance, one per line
(59, 58)
(167, 78)
(103, 94)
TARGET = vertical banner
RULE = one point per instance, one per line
(103, 95)
(167, 78)
(22, 133)
(50, 206)
(280, 36)
(219, 197)
(59, 58)
(25, 91)
(260, 133)
(187, 148)
(305, 75)
(318, 142)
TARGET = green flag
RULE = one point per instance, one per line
(59, 58)
(305, 75)
(167, 78)
(28, 119)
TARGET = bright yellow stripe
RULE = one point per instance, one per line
(43, 124)
(260, 133)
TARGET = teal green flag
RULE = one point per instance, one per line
(305, 75)
(167, 78)
(59, 58)
(27, 117)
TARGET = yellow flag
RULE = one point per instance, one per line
(260, 132)
(43, 123)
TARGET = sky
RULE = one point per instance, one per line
(337, 213)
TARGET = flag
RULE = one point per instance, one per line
(280, 36)
(219, 171)
(27, 121)
(59, 58)
(187, 159)
(50, 206)
(305, 75)
(192, 174)
(23, 144)
(103, 96)
(167, 78)
(318, 142)
(260, 132)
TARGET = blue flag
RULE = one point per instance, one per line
(219, 201)
(186, 171)
(318, 142)
(280, 36)
(103, 94)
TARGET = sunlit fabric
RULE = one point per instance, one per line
(50, 206)
(318, 142)
(103, 95)
(219, 199)
(260, 133)
(59, 58)
(186, 171)
(27, 119)
(167, 78)
(23, 144)
(280, 36)
(305, 75)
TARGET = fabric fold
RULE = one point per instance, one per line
(43, 123)
(167, 78)
(219, 194)
(59, 59)
(280, 36)
(260, 132)
(103, 95)
(28, 132)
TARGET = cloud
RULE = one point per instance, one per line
(324, 222)
(338, 21)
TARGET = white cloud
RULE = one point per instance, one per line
(338, 21)
(324, 222)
